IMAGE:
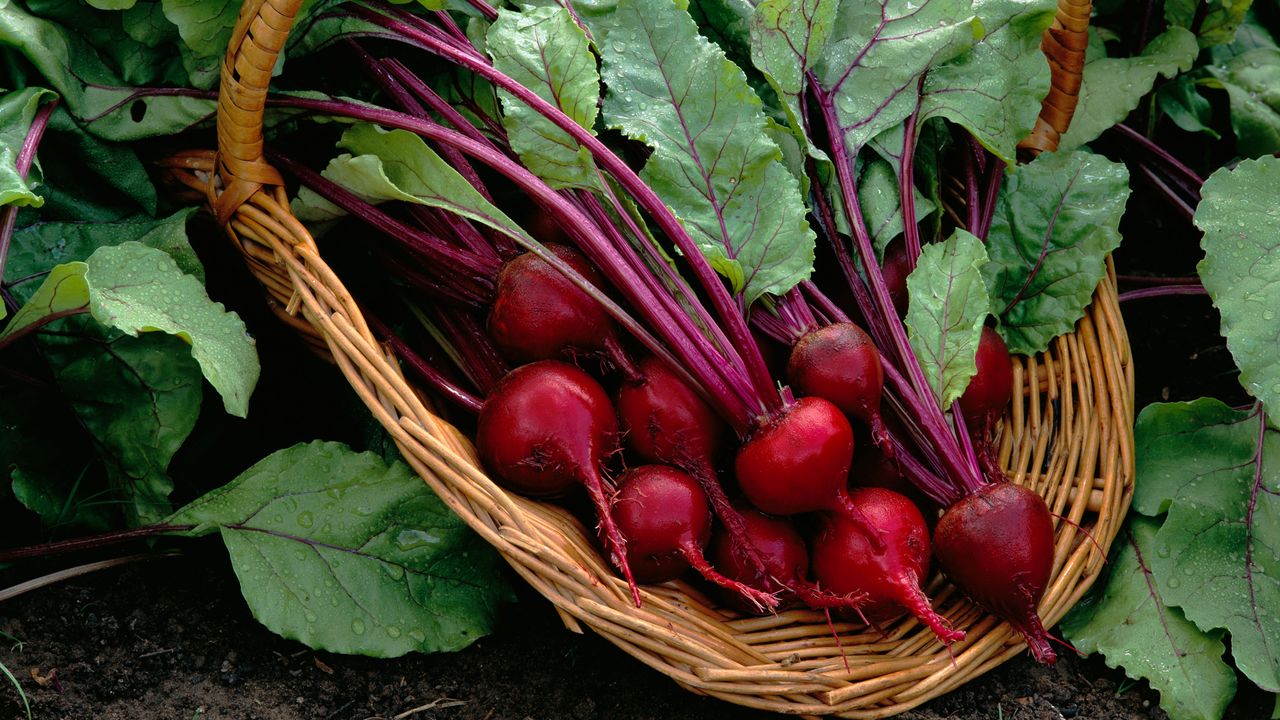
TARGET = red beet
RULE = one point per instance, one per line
(538, 314)
(991, 388)
(664, 515)
(845, 561)
(840, 363)
(546, 426)
(997, 546)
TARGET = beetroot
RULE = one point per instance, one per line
(846, 562)
(997, 546)
(991, 388)
(665, 421)
(664, 515)
(538, 314)
(840, 363)
(786, 562)
(799, 462)
(546, 426)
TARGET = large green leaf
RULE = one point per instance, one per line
(1113, 87)
(787, 39)
(544, 50)
(1218, 23)
(713, 162)
(64, 291)
(1241, 269)
(17, 110)
(93, 93)
(1252, 82)
(1134, 628)
(994, 90)
(948, 304)
(1216, 553)
(91, 180)
(341, 552)
(135, 289)
(205, 25)
(872, 62)
(45, 244)
(134, 62)
(1056, 220)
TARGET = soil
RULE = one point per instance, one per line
(171, 638)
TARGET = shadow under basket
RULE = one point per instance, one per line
(1067, 435)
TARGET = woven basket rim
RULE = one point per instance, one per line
(1068, 435)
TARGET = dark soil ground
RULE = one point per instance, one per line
(172, 639)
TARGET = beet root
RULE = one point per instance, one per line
(840, 363)
(846, 562)
(997, 546)
(665, 517)
(546, 426)
(538, 314)
(665, 421)
(786, 563)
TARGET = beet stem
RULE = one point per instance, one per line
(693, 555)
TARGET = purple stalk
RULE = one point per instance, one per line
(726, 309)
(1152, 280)
(1170, 194)
(917, 391)
(424, 370)
(972, 205)
(1163, 291)
(822, 303)
(26, 156)
(478, 274)
(574, 222)
(1176, 166)
(907, 187)
(463, 338)
(991, 193)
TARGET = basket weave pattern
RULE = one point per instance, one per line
(1068, 436)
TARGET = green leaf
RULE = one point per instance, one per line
(1241, 269)
(1251, 35)
(1217, 26)
(40, 246)
(341, 552)
(1056, 220)
(398, 165)
(17, 110)
(45, 453)
(994, 90)
(713, 162)
(63, 291)
(135, 289)
(948, 304)
(1113, 87)
(1186, 107)
(205, 25)
(112, 4)
(877, 52)
(93, 93)
(1252, 82)
(1134, 628)
(138, 398)
(92, 180)
(1216, 552)
(544, 50)
(787, 39)
(879, 198)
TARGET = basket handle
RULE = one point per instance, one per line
(259, 35)
(1063, 44)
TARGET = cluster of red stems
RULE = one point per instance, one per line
(589, 353)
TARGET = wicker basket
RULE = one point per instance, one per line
(1068, 435)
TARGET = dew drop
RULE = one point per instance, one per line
(1163, 551)
(418, 635)
(357, 626)
(393, 631)
(305, 519)
(395, 571)
(310, 616)
(1174, 583)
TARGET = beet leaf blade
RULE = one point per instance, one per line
(1055, 221)
(1218, 478)
(547, 52)
(712, 161)
(1132, 625)
(948, 304)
